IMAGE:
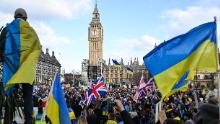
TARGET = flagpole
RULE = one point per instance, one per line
(1, 29)
(195, 93)
(101, 66)
(218, 69)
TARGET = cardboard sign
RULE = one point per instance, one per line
(162, 116)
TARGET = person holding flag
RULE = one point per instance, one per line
(143, 88)
(193, 51)
(176, 60)
(96, 91)
(19, 52)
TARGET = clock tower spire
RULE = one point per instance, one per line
(95, 38)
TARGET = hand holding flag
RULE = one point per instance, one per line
(195, 50)
(98, 89)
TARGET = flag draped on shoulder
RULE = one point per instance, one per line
(195, 50)
(96, 91)
(22, 49)
(56, 109)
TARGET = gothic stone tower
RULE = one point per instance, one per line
(95, 38)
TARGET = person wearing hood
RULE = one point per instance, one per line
(208, 113)
(19, 52)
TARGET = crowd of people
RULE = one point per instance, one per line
(118, 106)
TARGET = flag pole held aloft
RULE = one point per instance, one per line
(169, 61)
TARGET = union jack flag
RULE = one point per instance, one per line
(150, 84)
(83, 100)
(96, 91)
(143, 88)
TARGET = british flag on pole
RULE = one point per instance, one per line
(143, 88)
(83, 100)
(96, 91)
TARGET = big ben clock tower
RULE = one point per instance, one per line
(95, 38)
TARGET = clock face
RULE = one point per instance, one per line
(93, 32)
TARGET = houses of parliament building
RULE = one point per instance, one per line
(95, 65)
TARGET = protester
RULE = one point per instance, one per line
(118, 106)
(82, 120)
(20, 32)
(208, 113)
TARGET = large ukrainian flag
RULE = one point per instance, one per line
(182, 85)
(56, 109)
(22, 49)
(195, 50)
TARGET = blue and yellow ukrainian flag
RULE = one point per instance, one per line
(195, 50)
(129, 70)
(22, 49)
(115, 62)
(182, 85)
(56, 109)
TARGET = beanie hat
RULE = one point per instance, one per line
(20, 13)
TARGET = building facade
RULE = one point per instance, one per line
(116, 74)
(95, 38)
(84, 69)
(47, 67)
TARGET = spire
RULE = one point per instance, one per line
(47, 51)
(155, 45)
(109, 61)
(96, 8)
(95, 13)
(122, 63)
(53, 54)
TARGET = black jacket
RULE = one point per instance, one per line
(126, 117)
(207, 114)
(2, 43)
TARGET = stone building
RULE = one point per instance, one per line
(116, 74)
(95, 65)
(46, 68)
(95, 38)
